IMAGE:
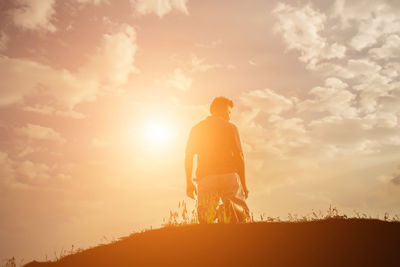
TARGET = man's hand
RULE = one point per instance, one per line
(191, 190)
(246, 192)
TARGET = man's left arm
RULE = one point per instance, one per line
(239, 158)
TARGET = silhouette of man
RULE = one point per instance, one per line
(220, 172)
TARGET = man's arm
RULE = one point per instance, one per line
(190, 187)
(239, 158)
(188, 168)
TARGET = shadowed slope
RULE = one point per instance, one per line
(335, 242)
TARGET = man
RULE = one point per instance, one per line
(220, 169)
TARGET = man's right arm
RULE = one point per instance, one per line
(188, 168)
(190, 187)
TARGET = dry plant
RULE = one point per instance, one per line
(180, 217)
(11, 262)
(213, 215)
(213, 212)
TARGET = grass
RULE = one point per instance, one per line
(326, 238)
(183, 217)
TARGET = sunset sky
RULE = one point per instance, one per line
(97, 98)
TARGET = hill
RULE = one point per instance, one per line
(332, 242)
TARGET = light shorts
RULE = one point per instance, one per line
(213, 187)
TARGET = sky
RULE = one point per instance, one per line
(97, 98)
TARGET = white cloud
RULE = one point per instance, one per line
(266, 100)
(6, 170)
(26, 150)
(159, 7)
(33, 171)
(332, 98)
(266, 133)
(40, 109)
(70, 114)
(371, 22)
(356, 109)
(93, 2)
(301, 29)
(37, 132)
(34, 15)
(3, 41)
(199, 65)
(96, 142)
(105, 71)
(114, 60)
(49, 110)
(390, 49)
(389, 103)
(382, 119)
(26, 173)
(179, 80)
(209, 44)
(396, 180)
(21, 77)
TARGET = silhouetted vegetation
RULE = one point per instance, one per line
(323, 230)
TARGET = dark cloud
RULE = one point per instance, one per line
(396, 180)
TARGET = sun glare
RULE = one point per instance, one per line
(157, 133)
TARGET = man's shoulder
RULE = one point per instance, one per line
(232, 125)
(211, 120)
(198, 125)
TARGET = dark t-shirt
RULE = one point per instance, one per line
(217, 145)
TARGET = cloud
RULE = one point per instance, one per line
(179, 80)
(34, 15)
(107, 69)
(209, 44)
(93, 2)
(49, 110)
(3, 41)
(332, 98)
(26, 173)
(370, 22)
(301, 30)
(396, 180)
(6, 170)
(99, 143)
(22, 77)
(114, 60)
(37, 132)
(159, 7)
(70, 114)
(266, 100)
(267, 133)
(355, 109)
(33, 171)
(382, 120)
(390, 49)
(199, 65)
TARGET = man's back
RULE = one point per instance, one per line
(217, 145)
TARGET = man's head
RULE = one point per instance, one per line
(221, 106)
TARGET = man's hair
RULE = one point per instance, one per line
(220, 104)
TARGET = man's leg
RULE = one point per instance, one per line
(234, 199)
(207, 200)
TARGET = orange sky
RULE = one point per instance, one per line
(315, 86)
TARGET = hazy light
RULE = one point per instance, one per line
(157, 132)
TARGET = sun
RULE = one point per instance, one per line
(157, 133)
